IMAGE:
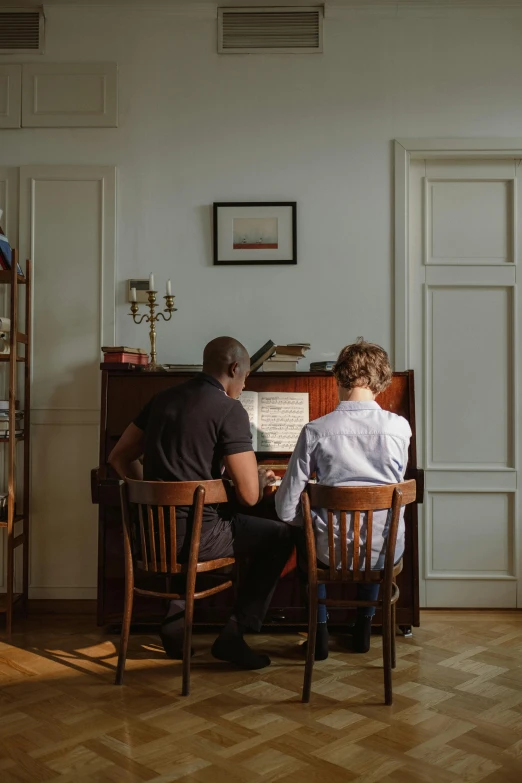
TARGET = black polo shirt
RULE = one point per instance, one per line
(188, 430)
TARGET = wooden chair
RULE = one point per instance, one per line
(355, 499)
(153, 499)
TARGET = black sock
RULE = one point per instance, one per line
(321, 643)
(233, 628)
(231, 647)
(171, 635)
(361, 634)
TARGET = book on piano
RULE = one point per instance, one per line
(260, 356)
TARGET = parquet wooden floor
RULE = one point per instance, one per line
(457, 712)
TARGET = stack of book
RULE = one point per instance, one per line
(183, 367)
(278, 358)
(4, 420)
(326, 366)
(121, 354)
(285, 357)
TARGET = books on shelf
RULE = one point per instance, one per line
(278, 358)
(4, 422)
(4, 406)
(276, 418)
(122, 354)
(260, 356)
(292, 349)
(6, 254)
(126, 358)
(183, 367)
(326, 366)
(279, 366)
(122, 349)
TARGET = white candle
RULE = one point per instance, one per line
(169, 288)
(133, 294)
(151, 283)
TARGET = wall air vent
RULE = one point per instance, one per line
(21, 30)
(270, 30)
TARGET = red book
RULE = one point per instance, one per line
(126, 358)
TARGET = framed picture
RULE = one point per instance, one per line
(261, 232)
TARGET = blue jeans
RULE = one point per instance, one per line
(365, 592)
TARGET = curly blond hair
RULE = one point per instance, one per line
(363, 364)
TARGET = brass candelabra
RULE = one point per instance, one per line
(151, 319)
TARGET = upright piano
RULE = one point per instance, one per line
(125, 390)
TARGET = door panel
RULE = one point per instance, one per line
(67, 226)
(464, 248)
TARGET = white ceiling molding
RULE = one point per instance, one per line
(205, 5)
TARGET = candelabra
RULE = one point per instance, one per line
(151, 320)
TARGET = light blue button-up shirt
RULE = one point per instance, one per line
(358, 444)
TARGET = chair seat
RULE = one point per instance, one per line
(182, 568)
(323, 575)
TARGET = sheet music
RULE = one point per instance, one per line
(248, 400)
(280, 419)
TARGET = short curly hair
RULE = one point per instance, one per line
(363, 364)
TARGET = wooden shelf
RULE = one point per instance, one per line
(7, 277)
(18, 518)
(3, 601)
(17, 480)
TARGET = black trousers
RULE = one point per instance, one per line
(262, 548)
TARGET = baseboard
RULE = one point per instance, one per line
(75, 606)
(66, 593)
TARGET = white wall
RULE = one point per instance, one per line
(196, 127)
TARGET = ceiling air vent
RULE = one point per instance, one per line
(274, 30)
(21, 30)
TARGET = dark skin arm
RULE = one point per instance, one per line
(124, 457)
(249, 480)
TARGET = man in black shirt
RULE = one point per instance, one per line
(191, 432)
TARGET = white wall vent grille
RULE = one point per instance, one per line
(273, 30)
(21, 30)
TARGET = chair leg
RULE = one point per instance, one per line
(386, 652)
(125, 631)
(393, 635)
(187, 640)
(310, 652)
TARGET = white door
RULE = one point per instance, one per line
(67, 226)
(464, 248)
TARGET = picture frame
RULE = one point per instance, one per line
(251, 233)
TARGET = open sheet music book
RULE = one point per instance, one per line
(276, 418)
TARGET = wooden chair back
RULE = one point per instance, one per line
(356, 500)
(154, 535)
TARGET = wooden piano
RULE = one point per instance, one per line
(126, 390)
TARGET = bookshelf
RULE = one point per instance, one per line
(17, 365)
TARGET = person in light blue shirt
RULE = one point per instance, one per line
(358, 444)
